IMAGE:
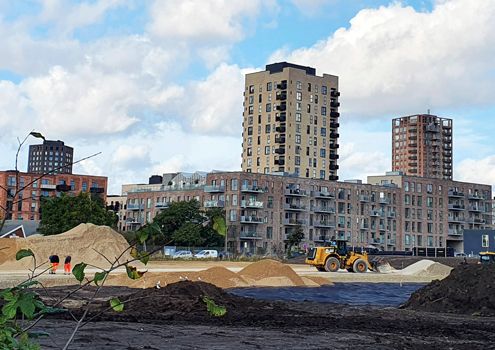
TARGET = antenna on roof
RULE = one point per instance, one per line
(428, 111)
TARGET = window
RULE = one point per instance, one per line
(323, 152)
(268, 107)
(267, 149)
(250, 130)
(251, 99)
(298, 106)
(323, 110)
(299, 96)
(322, 174)
(234, 185)
(84, 186)
(269, 86)
(269, 233)
(298, 139)
(298, 85)
(323, 132)
(251, 89)
(309, 87)
(323, 90)
(308, 108)
(251, 110)
(298, 117)
(267, 128)
(485, 241)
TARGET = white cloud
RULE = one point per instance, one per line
(311, 7)
(132, 155)
(395, 60)
(476, 170)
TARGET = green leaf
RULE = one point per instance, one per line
(117, 305)
(214, 309)
(99, 276)
(144, 258)
(52, 310)
(219, 225)
(38, 334)
(9, 310)
(142, 235)
(28, 284)
(26, 304)
(78, 271)
(133, 273)
(7, 295)
(23, 253)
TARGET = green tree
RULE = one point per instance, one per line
(180, 224)
(59, 214)
(294, 238)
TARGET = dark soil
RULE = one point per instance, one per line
(469, 289)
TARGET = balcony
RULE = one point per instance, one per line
(377, 213)
(333, 156)
(333, 167)
(333, 178)
(251, 220)
(323, 209)
(391, 241)
(334, 145)
(334, 135)
(161, 205)
(282, 85)
(251, 204)
(384, 201)
(279, 139)
(281, 96)
(382, 227)
(455, 219)
(67, 188)
(364, 198)
(294, 207)
(214, 204)
(294, 222)
(475, 209)
(251, 189)
(280, 150)
(295, 192)
(334, 104)
(432, 128)
(214, 189)
(455, 194)
(458, 207)
(322, 194)
(324, 223)
(134, 207)
(478, 221)
(334, 114)
(363, 226)
(335, 93)
(280, 161)
(455, 232)
(249, 235)
(280, 129)
(281, 107)
(334, 125)
(281, 118)
(378, 240)
(475, 197)
(132, 221)
(391, 214)
(48, 187)
(96, 190)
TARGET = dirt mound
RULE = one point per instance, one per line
(467, 290)
(81, 243)
(268, 272)
(218, 276)
(181, 300)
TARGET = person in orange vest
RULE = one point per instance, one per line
(67, 267)
(54, 261)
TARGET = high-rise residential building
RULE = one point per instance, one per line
(52, 157)
(290, 122)
(422, 146)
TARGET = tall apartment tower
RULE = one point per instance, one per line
(422, 146)
(290, 122)
(50, 157)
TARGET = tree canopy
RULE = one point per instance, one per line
(186, 224)
(294, 238)
(59, 214)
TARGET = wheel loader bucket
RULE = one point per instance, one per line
(379, 264)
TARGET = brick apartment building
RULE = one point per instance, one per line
(422, 146)
(49, 186)
(391, 212)
(290, 122)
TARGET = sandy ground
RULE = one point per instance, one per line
(11, 277)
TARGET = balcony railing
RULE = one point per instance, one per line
(377, 213)
(251, 189)
(214, 188)
(251, 220)
(456, 207)
(455, 232)
(455, 194)
(249, 235)
(295, 192)
(322, 209)
(384, 200)
(457, 219)
(251, 204)
(324, 223)
(132, 206)
(161, 205)
(364, 198)
(475, 197)
(475, 208)
(214, 204)
(294, 222)
(294, 206)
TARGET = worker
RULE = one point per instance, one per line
(67, 265)
(54, 261)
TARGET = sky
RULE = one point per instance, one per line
(156, 86)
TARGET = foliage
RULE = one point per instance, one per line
(180, 224)
(294, 238)
(60, 214)
(214, 309)
(117, 305)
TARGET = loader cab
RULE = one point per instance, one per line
(487, 257)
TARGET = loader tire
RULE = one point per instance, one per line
(332, 264)
(360, 266)
(321, 269)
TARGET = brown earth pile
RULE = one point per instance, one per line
(218, 275)
(467, 290)
(271, 273)
(81, 243)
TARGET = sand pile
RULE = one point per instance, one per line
(80, 243)
(271, 273)
(264, 273)
(467, 290)
(426, 268)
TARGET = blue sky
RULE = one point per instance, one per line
(157, 85)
